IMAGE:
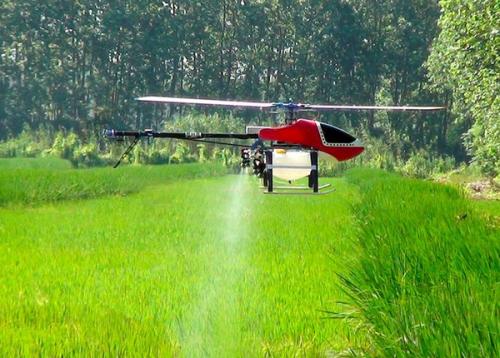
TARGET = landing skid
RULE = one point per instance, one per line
(298, 190)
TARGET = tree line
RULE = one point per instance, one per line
(79, 64)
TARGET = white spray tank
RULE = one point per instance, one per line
(291, 158)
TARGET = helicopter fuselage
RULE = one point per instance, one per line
(317, 135)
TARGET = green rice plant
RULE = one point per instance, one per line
(426, 279)
(212, 267)
(196, 268)
(36, 185)
(51, 163)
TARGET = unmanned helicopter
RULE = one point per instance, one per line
(288, 152)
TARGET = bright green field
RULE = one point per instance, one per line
(34, 163)
(197, 267)
(211, 267)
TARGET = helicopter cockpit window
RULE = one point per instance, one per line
(336, 135)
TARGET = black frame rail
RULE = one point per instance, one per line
(191, 136)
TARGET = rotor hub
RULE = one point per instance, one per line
(291, 110)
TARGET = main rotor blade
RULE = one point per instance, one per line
(321, 107)
(205, 102)
(263, 105)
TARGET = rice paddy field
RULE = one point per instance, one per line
(185, 260)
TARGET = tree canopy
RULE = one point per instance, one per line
(80, 64)
(465, 62)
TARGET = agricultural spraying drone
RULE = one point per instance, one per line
(288, 152)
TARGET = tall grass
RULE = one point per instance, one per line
(34, 163)
(426, 280)
(211, 267)
(199, 268)
(34, 185)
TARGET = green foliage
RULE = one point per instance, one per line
(181, 154)
(33, 184)
(87, 155)
(78, 67)
(425, 282)
(34, 163)
(421, 165)
(65, 146)
(42, 143)
(466, 62)
(28, 143)
(92, 152)
(80, 154)
(377, 155)
(202, 153)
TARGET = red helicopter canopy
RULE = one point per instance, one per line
(320, 136)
